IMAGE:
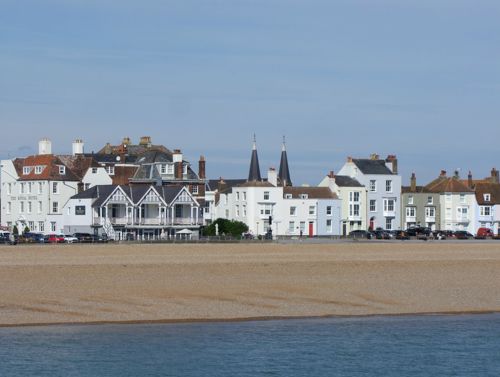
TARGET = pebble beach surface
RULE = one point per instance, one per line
(43, 284)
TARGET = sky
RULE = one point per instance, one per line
(419, 79)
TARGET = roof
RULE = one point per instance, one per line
(418, 190)
(447, 184)
(369, 166)
(79, 164)
(488, 188)
(284, 171)
(134, 192)
(256, 184)
(50, 171)
(311, 192)
(254, 171)
(223, 184)
(147, 162)
(346, 181)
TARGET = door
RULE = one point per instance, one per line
(311, 228)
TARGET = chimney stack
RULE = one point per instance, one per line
(331, 181)
(145, 141)
(201, 168)
(77, 147)
(442, 174)
(469, 180)
(125, 141)
(44, 146)
(177, 155)
(374, 156)
(494, 176)
(272, 176)
(349, 159)
(413, 183)
(392, 163)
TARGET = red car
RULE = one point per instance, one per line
(484, 233)
(53, 238)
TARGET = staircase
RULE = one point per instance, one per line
(108, 229)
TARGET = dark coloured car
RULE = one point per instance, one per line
(463, 235)
(381, 234)
(6, 238)
(100, 238)
(417, 231)
(34, 237)
(83, 237)
(401, 235)
(360, 234)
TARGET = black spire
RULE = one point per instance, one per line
(284, 173)
(254, 173)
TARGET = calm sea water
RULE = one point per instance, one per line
(376, 346)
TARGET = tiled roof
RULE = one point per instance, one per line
(447, 184)
(123, 174)
(78, 164)
(418, 190)
(311, 192)
(256, 184)
(488, 188)
(346, 181)
(369, 166)
(50, 170)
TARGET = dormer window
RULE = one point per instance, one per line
(94, 170)
(304, 196)
(288, 196)
(163, 169)
(62, 170)
(170, 169)
(110, 170)
(38, 169)
(487, 197)
(26, 170)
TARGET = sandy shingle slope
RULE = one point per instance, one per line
(108, 283)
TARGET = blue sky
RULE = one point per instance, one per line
(419, 79)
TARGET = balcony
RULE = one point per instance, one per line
(98, 221)
(389, 213)
(463, 220)
(430, 219)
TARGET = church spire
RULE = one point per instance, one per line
(284, 172)
(254, 173)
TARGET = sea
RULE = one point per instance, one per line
(427, 345)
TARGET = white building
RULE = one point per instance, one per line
(383, 183)
(353, 196)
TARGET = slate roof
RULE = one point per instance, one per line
(311, 192)
(147, 170)
(213, 184)
(254, 171)
(284, 172)
(346, 181)
(369, 166)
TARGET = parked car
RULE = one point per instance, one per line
(463, 235)
(83, 237)
(483, 233)
(381, 234)
(70, 239)
(31, 237)
(53, 238)
(439, 235)
(401, 235)
(101, 238)
(416, 231)
(361, 234)
(7, 238)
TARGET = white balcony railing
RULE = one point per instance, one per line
(430, 219)
(148, 221)
(389, 213)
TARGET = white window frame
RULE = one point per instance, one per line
(62, 170)
(293, 211)
(266, 195)
(388, 185)
(38, 169)
(26, 170)
(373, 185)
(374, 207)
(410, 199)
(55, 187)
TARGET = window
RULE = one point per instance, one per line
(448, 213)
(288, 196)
(237, 211)
(266, 195)
(21, 207)
(373, 205)
(430, 200)
(26, 170)
(227, 214)
(80, 210)
(30, 184)
(195, 190)
(163, 169)
(410, 199)
(388, 186)
(9, 189)
(354, 210)
(266, 209)
(244, 195)
(170, 169)
(302, 226)
(55, 207)
(41, 226)
(329, 228)
(29, 207)
(293, 211)
(354, 196)
(462, 198)
(485, 210)
(38, 169)
(312, 210)
(303, 196)
(462, 212)
(448, 197)
(237, 195)
(244, 210)
(52, 226)
(328, 210)
(373, 185)
(40, 187)
(94, 170)
(291, 227)
(62, 170)
(410, 211)
(22, 188)
(55, 187)
(225, 199)
(110, 170)
(487, 197)
(388, 223)
(430, 212)
(39, 207)
(31, 225)
(388, 205)
(9, 207)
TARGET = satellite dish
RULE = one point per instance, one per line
(117, 158)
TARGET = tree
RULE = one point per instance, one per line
(26, 230)
(15, 231)
(227, 227)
